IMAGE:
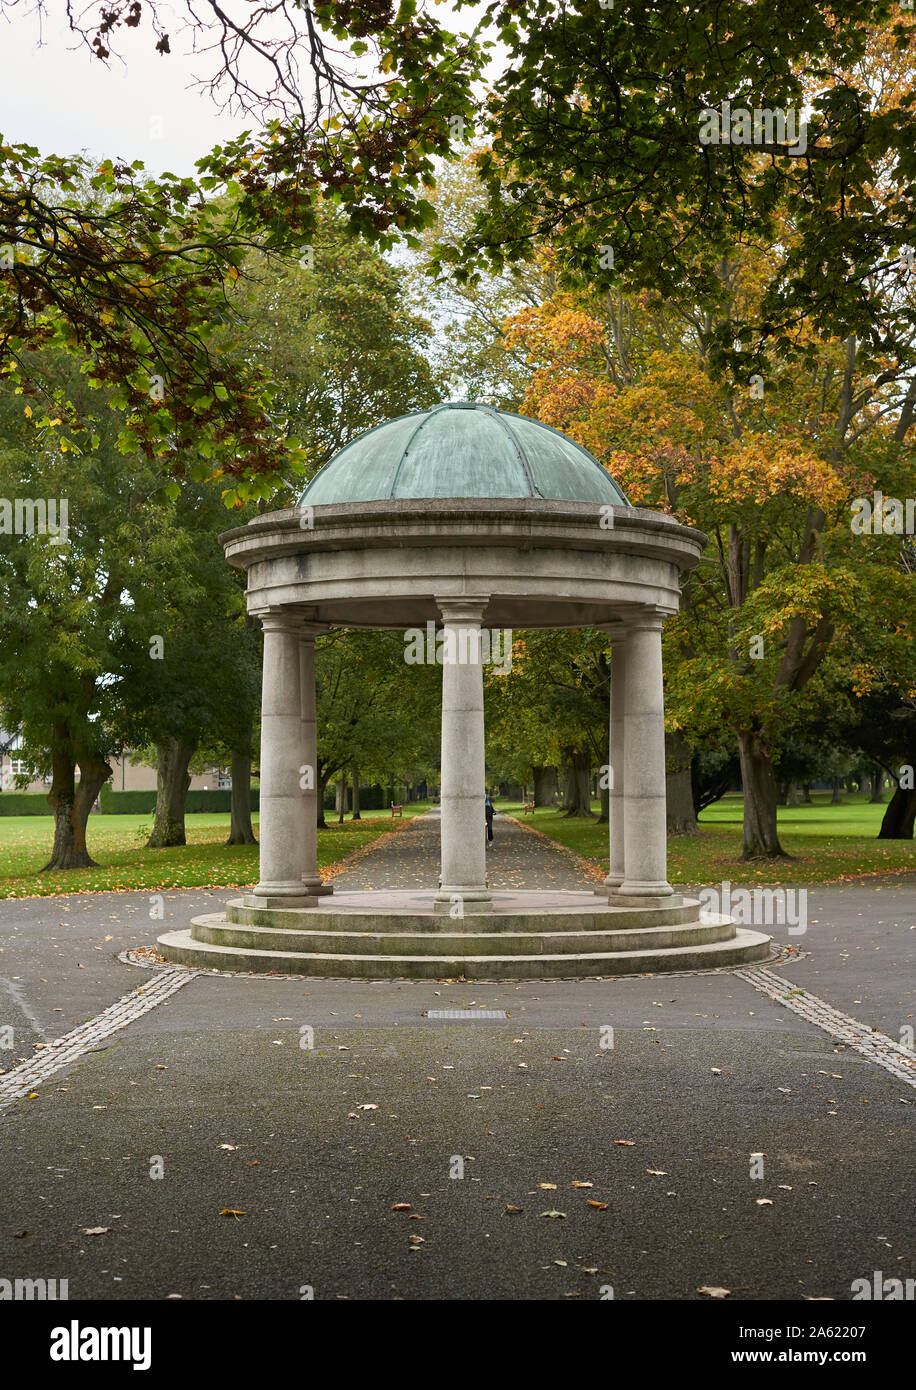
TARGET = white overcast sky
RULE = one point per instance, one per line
(56, 95)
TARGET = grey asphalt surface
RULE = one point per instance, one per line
(704, 1072)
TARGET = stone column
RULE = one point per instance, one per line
(645, 830)
(463, 826)
(616, 743)
(309, 766)
(282, 801)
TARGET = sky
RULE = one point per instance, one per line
(56, 95)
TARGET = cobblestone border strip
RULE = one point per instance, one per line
(874, 1046)
(64, 1050)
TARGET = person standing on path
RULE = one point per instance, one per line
(488, 812)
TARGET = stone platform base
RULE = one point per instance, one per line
(518, 935)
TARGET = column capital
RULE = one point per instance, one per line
(617, 630)
(462, 608)
(649, 617)
(279, 620)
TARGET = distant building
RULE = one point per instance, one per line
(126, 776)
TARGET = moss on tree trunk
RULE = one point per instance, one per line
(240, 828)
(680, 814)
(172, 781)
(578, 785)
(761, 837)
(900, 816)
(71, 802)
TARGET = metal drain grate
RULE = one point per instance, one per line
(466, 1013)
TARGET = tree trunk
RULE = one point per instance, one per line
(865, 785)
(806, 794)
(791, 794)
(604, 796)
(340, 801)
(545, 786)
(836, 796)
(877, 787)
(240, 831)
(578, 797)
(172, 781)
(356, 815)
(900, 816)
(761, 838)
(680, 815)
(71, 802)
(322, 788)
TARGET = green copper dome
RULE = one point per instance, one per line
(463, 449)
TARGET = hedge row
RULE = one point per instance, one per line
(144, 803)
(120, 803)
(24, 804)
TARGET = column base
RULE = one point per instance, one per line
(609, 885)
(641, 888)
(315, 885)
(281, 895)
(474, 896)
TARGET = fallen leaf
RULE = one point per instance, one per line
(711, 1291)
(555, 1214)
(548, 1186)
(627, 1143)
(95, 1230)
(401, 1206)
(599, 1206)
(233, 1147)
(368, 1106)
(764, 1201)
(657, 1172)
(511, 1211)
(583, 1184)
(232, 1211)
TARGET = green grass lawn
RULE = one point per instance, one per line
(118, 843)
(826, 843)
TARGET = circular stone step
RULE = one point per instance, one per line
(395, 912)
(215, 930)
(743, 947)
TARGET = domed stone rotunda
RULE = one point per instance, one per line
(470, 519)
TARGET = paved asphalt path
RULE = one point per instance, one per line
(214, 1088)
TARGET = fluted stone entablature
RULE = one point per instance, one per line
(468, 518)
